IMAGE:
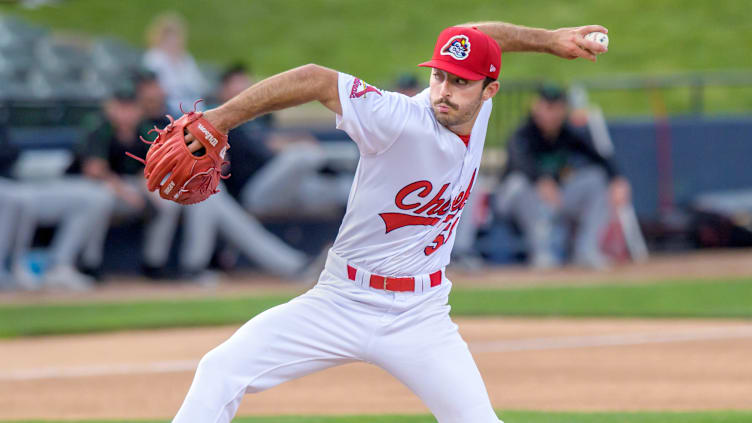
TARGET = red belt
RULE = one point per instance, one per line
(394, 284)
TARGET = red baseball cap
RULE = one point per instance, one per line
(467, 53)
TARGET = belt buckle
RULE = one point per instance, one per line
(385, 279)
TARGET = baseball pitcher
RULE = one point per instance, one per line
(382, 297)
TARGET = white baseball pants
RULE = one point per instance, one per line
(408, 334)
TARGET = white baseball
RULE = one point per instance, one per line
(598, 37)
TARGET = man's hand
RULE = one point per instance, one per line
(570, 43)
(215, 119)
(96, 168)
(125, 192)
(619, 193)
(548, 191)
(177, 172)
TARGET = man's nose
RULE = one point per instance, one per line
(446, 90)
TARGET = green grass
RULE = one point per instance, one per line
(380, 39)
(727, 298)
(731, 298)
(507, 416)
(104, 317)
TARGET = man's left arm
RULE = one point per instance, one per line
(567, 43)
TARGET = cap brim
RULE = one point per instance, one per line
(453, 68)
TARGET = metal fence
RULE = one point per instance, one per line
(656, 96)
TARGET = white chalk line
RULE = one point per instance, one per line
(612, 340)
(532, 344)
(99, 370)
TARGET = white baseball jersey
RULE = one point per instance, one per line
(412, 181)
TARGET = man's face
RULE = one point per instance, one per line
(124, 115)
(234, 85)
(173, 40)
(151, 97)
(456, 101)
(549, 116)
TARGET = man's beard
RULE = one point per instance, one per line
(463, 115)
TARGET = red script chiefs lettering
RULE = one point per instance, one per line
(422, 211)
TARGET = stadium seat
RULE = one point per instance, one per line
(110, 56)
(14, 32)
(62, 58)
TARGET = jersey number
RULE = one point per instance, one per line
(439, 241)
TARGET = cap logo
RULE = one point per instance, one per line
(458, 47)
(492, 69)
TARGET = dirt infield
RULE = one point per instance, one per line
(544, 364)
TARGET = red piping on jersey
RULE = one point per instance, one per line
(465, 139)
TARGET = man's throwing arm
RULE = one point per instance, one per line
(568, 43)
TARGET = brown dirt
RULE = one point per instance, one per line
(545, 364)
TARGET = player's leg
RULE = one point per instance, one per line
(199, 235)
(9, 206)
(79, 208)
(428, 355)
(7, 217)
(17, 226)
(160, 230)
(222, 214)
(24, 227)
(308, 334)
(103, 202)
(274, 188)
(585, 200)
(518, 199)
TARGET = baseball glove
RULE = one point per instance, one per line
(180, 175)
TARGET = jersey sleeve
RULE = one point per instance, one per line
(371, 117)
(423, 97)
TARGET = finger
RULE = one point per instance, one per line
(588, 55)
(583, 50)
(587, 29)
(194, 146)
(592, 46)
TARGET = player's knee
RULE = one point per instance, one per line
(103, 201)
(593, 177)
(213, 364)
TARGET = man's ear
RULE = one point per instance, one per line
(491, 90)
